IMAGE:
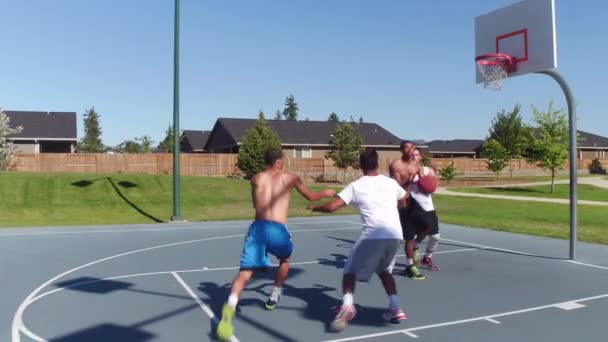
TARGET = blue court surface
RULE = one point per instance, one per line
(167, 282)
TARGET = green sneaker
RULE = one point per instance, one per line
(224, 329)
(414, 273)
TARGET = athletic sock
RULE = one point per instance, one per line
(233, 300)
(393, 301)
(409, 262)
(348, 299)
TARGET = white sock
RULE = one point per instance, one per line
(233, 300)
(276, 293)
(409, 262)
(348, 299)
(393, 301)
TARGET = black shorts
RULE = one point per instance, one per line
(416, 221)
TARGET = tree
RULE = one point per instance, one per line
(7, 149)
(360, 119)
(130, 146)
(345, 147)
(333, 117)
(447, 173)
(167, 143)
(496, 154)
(257, 140)
(291, 108)
(549, 148)
(146, 144)
(511, 133)
(91, 142)
(278, 115)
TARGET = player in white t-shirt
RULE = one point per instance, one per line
(376, 197)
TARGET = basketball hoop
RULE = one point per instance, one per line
(494, 67)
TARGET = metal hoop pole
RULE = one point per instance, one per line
(573, 152)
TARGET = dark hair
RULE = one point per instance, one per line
(405, 142)
(272, 155)
(368, 160)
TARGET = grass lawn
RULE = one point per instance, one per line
(585, 191)
(34, 199)
(543, 219)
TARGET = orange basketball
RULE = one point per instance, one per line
(427, 184)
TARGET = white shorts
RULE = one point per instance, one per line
(370, 256)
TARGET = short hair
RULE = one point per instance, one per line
(368, 159)
(271, 155)
(405, 142)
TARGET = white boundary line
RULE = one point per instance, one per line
(462, 321)
(206, 309)
(588, 265)
(18, 325)
(135, 230)
(204, 269)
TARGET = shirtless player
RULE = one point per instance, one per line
(404, 171)
(271, 191)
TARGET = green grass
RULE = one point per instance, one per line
(543, 219)
(585, 191)
(32, 199)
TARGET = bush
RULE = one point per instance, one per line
(596, 167)
(447, 173)
(257, 140)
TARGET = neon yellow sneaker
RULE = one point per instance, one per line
(414, 273)
(224, 329)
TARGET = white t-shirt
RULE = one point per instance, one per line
(425, 200)
(376, 198)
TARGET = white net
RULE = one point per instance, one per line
(493, 75)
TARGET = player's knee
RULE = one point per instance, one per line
(434, 237)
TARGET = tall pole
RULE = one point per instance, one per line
(177, 216)
(573, 152)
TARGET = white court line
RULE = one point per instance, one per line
(489, 247)
(18, 324)
(462, 321)
(135, 230)
(570, 306)
(198, 301)
(410, 334)
(491, 320)
(589, 265)
(204, 269)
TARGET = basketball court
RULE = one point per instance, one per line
(168, 282)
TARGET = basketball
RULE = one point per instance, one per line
(427, 184)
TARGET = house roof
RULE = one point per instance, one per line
(309, 132)
(455, 146)
(591, 140)
(49, 125)
(197, 139)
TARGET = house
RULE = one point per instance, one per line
(457, 148)
(300, 139)
(194, 141)
(591, 146)
(44, 132)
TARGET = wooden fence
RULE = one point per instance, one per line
(225, 164)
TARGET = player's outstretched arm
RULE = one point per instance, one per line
(329, 207)
(309, 194)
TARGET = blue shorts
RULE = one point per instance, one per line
(265, 237)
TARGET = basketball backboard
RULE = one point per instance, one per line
(524, 30)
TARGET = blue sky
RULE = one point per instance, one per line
(406, 65)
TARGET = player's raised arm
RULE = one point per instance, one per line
(329, 207)
(309, 194)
